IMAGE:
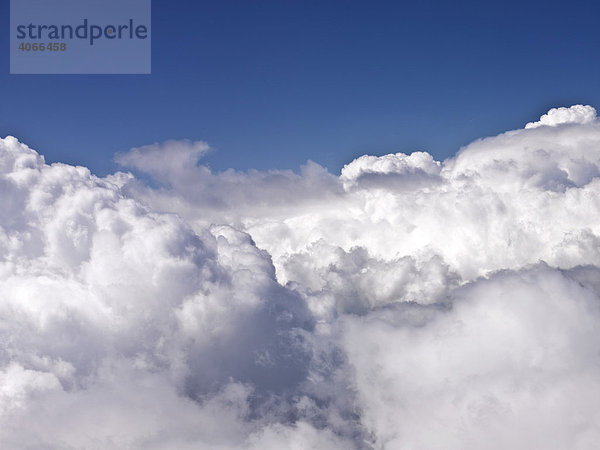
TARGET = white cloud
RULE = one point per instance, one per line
(502, 202)
(398, 169)
(406, 303)
(166, 161)
(115, 320)
(514, 363)
(557, 116)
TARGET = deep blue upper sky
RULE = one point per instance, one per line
(270, 84)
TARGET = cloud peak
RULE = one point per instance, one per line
(576, 114)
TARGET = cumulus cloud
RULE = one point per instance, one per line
(226, 196)
(115, 320)
(557, 116)
(514, 363)
(406, 303)
(502, 202)
(394, 170)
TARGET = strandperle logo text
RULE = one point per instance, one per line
(85, 30)
(80, 37)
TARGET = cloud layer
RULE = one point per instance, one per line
(407, 303)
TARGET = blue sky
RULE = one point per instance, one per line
(271, 84)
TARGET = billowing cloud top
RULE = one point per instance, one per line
(406, 170)
(581, 114)
(407, 303)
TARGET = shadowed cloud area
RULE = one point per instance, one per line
(405, 304)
